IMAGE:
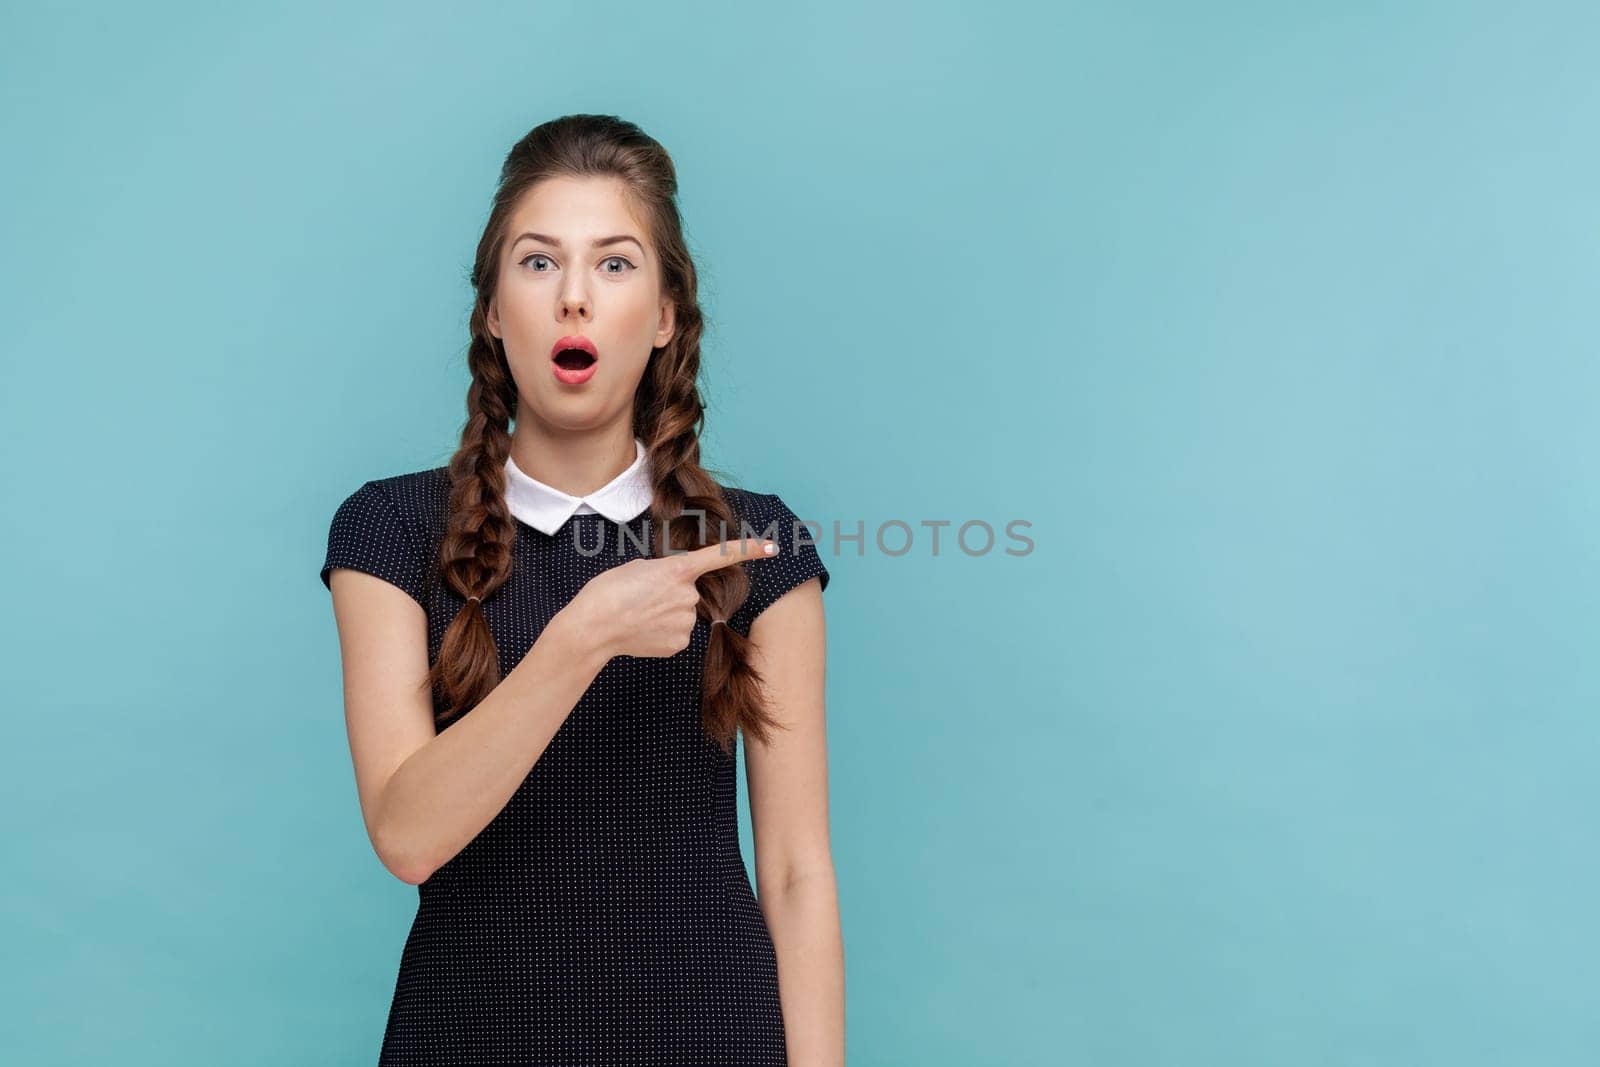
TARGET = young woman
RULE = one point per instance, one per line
(549, 646)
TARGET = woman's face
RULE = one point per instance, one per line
(564, 274)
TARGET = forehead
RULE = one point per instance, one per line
(577, 210)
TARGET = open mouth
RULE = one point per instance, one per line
(573, 359)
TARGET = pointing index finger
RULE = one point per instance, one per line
(710, 557)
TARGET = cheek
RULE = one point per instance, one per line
(641, 316)
(518, 304)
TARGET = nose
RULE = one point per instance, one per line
(573, 302)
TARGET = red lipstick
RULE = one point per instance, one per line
(574, 359)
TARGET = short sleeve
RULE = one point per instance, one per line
(797, 559)
(368, 534)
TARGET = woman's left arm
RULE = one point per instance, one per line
(788, 785)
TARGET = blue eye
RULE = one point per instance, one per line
(609, 259)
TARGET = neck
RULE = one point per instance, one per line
(577, 462)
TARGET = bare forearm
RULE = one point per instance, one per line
(803, 918)
(447, 791)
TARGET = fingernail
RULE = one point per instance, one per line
(770, 548)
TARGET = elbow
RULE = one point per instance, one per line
(799, 875)
(401, 861)
(409, 874)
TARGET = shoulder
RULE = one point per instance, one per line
(745, 503)
(390, 527)
(755, 507)
(421, 499)
(798, 536)
(414, 501)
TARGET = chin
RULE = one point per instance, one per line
(575, 414)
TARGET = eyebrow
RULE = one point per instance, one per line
(555, 242)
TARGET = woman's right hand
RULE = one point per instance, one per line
(647, 606)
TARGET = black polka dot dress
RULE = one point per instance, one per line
(605, 915)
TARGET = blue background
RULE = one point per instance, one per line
(1277, 322)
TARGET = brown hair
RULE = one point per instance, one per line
(475, 555)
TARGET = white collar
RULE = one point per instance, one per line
(546, 508)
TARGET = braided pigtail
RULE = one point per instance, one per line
(670, 416)
(476, 552)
